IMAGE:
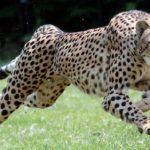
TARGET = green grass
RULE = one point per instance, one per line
(75, 122)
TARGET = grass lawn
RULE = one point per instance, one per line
(75, 122)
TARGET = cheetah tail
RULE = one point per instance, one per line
(7, 69)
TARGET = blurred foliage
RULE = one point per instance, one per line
(19, 18)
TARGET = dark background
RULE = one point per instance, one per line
(19, 18)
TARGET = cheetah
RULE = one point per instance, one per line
(105, 61)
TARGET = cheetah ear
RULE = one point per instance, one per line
(141, 26)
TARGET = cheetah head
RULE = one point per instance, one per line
(143, 45)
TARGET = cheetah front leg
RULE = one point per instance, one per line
(119, 104)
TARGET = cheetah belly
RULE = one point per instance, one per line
(92, 82)
(93, 88)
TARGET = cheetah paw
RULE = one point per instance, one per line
(145, 128)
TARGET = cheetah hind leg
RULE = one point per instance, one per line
(47, 94)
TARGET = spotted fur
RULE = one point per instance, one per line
(105, 61)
